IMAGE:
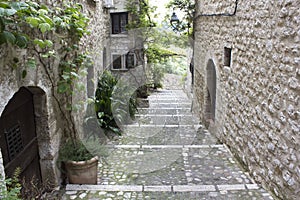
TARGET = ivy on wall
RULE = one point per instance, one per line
(48, 34)
(32, 26)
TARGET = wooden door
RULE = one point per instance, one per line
(18, 139)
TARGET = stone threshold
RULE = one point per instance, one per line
(145, 146)
(162, 115)
(161, 125)
(162, 188)
(174, 108)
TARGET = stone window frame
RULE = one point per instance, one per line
(119, 27)
(124, 64)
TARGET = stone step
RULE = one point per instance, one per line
(188, 192)
(163, 111)
(152, 119)
(159, 188)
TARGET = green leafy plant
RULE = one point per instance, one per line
(141, 13)
(106, 102)
(31, 25)
(10, 189)
(106, 84)
(82, 150)
(74, 151)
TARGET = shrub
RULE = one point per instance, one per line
(110, 107)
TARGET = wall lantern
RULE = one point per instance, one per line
(174, 21)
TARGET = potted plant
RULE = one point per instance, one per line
(79, 159)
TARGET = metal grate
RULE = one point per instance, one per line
(14, 141)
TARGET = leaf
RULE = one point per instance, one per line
(44, 27)
(19, 5)
(7, 37)
(2, 11)
(74, 74)
(9, 12)
(31, 63)
(33, 21)
(34, 4)
(62, 87)
(57, 20)
(4, 5)
(21, 41)
(47, 19)
(24, 73)
(65, 76)
(40, 43)
(48, 43)
(42, 12)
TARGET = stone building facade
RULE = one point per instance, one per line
(247, 85)
(48, 119)
(125, 46)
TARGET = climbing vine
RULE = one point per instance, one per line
(48, 35)
(32, 26)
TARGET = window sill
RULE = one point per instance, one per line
(120, 35)
(119, 70)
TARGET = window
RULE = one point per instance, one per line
(117, 62)
(227, 56)
(130, 62)
(119, 22)
(125, 61)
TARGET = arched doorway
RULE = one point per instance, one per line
(18, 138)
(211, 80)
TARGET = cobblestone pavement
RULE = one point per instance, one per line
(167, 154)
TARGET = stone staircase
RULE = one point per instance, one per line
(167, 154)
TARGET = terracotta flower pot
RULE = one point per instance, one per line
(82, 172)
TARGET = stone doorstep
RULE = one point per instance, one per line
(161, 188)
(183, 103)
(162, 115)
(110, 188)
(165, 146)
(163, 126)
(164, 108)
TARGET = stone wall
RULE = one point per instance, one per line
(257, 92)
(50, 123)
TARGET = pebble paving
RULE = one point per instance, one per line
(167, 154)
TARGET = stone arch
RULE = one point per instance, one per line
(211, 83)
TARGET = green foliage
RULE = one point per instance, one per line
(26, 25)
(110, 107)
(10, 189)
(106, 84)
(140, 11)
(74, 151)
(124, 101)
(81, 150)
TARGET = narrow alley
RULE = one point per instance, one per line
(167, 154)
